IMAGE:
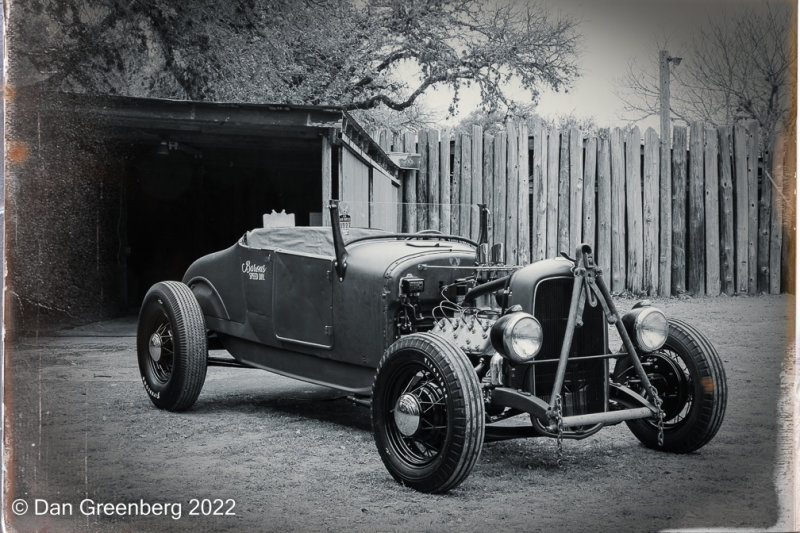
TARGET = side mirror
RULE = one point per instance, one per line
(338, 240)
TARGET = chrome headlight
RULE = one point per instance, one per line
(518, 336)
(648, 327)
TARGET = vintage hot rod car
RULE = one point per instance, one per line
(440, 339)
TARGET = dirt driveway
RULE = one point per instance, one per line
(297, 457)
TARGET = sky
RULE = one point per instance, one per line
(614, 32)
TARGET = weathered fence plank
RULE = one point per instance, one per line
(665, 216)
(764, 222)
(726, 227)
(422, 181)
(512, 194)
(695, 281)
(433, 180)
(500, 188)
(563, 196)
(752, 205)
(678, 211)
(617, 211)
(740, 192)
(789, 213)
(604, 202)
(488, 180)
(477, 180)
(650, 210)
(633, 196)
(711, 212)
(551, 249)
(455, 188)
(539, 200)
(444, 182)
(776, 219)
(575, 188)
(524, 235)
(410, 190)
(589, 202)
(466, 184)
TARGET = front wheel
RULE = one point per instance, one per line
(427, 413)
(171, 346)
(688, 375)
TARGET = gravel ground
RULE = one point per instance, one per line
(297, 457)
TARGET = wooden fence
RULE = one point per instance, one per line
(722, 222)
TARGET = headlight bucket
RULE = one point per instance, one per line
(517, 336)
(647, 327)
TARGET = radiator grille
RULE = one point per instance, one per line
(584, 385)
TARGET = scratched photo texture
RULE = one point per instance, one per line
(109, 190)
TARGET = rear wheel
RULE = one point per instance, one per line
(171, 346)
(688, 375)
(427, 413)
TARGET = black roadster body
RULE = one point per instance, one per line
(439, 337)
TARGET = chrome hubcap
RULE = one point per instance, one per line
(407, 413)
(155, 347)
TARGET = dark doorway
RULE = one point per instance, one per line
(185, 200)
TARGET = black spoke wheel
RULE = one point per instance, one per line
(171, 346)
(427, 413)
(688, 375)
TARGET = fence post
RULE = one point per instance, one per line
(512, 194)
(444, 181)
(696, 252)
(563, 196)
(488, 180)
(678, 210)
(633, 195)
(499, 200)
(712, 212)
(726, 227)
(433, 180)
(752, 212)
(465, 197)
(665, 215)
(455, 188)
(650, 211)
(539, 215)
(617, 211)
(523, 197)
(476, 197)
(575, 188)
(422, 181)
(741, 196)
(589, 201)
(551, 249)
(410, 188)
(776, 220)
(604, 203)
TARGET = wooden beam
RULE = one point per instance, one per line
(650, 210)
(589, 189)
(455, 188)
(477, 179)
(603, 215)
(633, 196)
(752, 205)
(696, 261)
(617, 211)
(741, 193)
(539, 215)
(512, 194)
(726, 226)
(523, 197)
(410, 187)
(551, 248)
(575, 188)
(678, 211)
(444, 181)
(776, 218)
(563, 196)
(488, 181)
(466, 184)
(422, 182)
(499, 200)
(433, 180)
(711, 186)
